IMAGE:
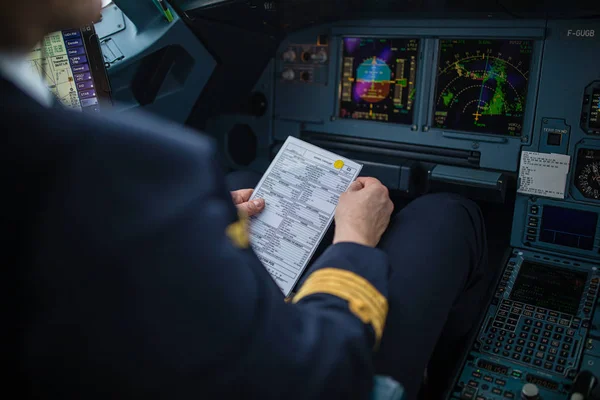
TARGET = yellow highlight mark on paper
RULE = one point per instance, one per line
(338, 164)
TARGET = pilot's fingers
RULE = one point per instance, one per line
(355, 186)
(366, 181)
(241, 196)
(253, 207)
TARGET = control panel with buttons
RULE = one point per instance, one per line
(535, 335)
(305, 63)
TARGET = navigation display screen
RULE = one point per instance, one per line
(378, 79)
(482, 85)
(595, 111)
(554, 288)
(568, 227)
(73, 69)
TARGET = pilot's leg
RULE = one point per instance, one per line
(437, 250)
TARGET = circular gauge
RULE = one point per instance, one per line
(587, 173)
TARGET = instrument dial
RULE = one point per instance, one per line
(587, 173)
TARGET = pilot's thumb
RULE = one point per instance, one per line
(252, 207)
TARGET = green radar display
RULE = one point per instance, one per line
(482, 85)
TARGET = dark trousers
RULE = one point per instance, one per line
(438, 254)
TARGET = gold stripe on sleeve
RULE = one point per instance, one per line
(364, 300)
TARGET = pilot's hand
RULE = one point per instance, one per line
(240, 199)
(363, 213)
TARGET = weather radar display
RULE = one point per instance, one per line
(378, 79)
(482, 85)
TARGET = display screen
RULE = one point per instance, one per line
(557, 289)
(490, 366)
(542, 382)
(568, 227)
(594, 120)
(63, 59)
(482, 85)
(379, 79)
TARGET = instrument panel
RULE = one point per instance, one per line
(482, 85)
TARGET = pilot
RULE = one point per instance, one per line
(131, 275)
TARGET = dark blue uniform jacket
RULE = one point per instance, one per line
(124, 284)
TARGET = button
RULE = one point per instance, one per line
(535, 338)
(566, 346)
(553, 313)
(568, 339)
(523, 335)
(548, 365)
(498, 325)
(486, 348)
(498, 344)
(554, 139)
(528, 313)
(512, 335)
(480, 398)
(531, 345)
(518, 305)
(507, 302)
(538, 324)
(537, 362)
(540, 316)
(502, 332)
(564, 353)
(509, 395)
(517, 310)
(519, 348)
(560, 369)
(505, 353)
(527, 359)
(512, 321)
(528, 322)
(473, 383)
(510, 341)
(588, 304)
(516, 356)
(476, 374)
(513, 316)
(500, 382)
(585, 323)
(530, 307)
(507, 347)
(533, 219)
(501, 338)
(557, 336)
(530, 238)
(541, 347)
(521, 342)
(561, 361)
(494, 330)
(516, 374)
(585, 310)
(496, 391)
(555, 343)
(544, 341)
(553, 350)
(468, 393)
(496, 350)
(564, 322)
(551, 358)
(511, 327)
(491, 335)
(547, 334)
(552, 319)
(539, 354)
(504, 307)
(529, 352)
(534, 209)
(488, 378)
(537, 331)
(526, 328)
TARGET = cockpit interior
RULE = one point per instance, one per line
(498, 101)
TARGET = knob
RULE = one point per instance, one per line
(288, 74)
(320, 57)
(530, 392)
(289, 56)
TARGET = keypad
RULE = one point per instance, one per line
(532, 335)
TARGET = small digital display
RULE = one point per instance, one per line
(594, 120)
(490, 366)
(482, 85)
(568, 227)
(379, 79)
(557, 289)
(542, 382)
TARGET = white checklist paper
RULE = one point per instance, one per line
(301, 189)
(543, 174)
